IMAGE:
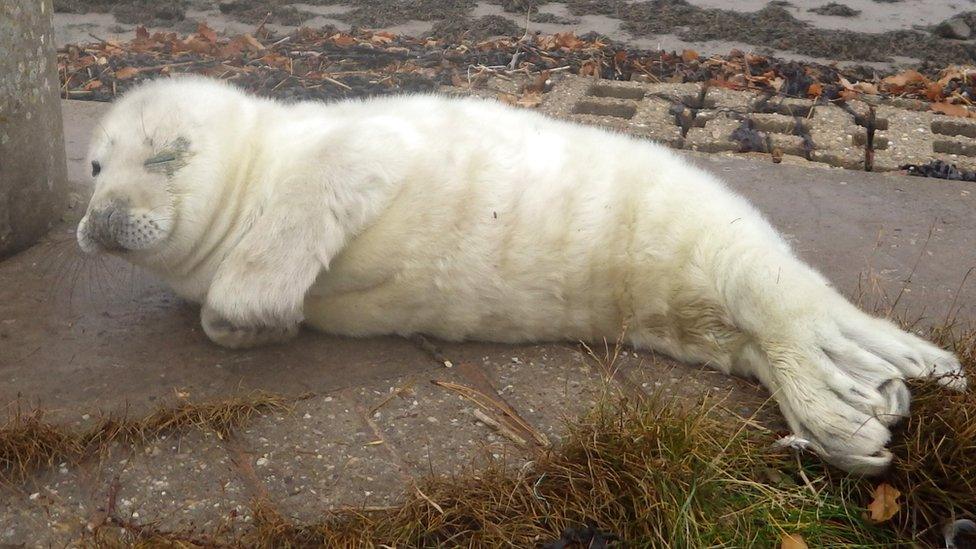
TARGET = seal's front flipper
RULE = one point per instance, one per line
(226, 334)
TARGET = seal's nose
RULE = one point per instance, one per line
(107, 224)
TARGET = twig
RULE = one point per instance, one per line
(427, 499)
(505, 431)
(336, 82)
(391, 396)
(489, 404)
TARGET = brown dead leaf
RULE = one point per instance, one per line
(900, 81)
(568, 40)
(197, 44)
(126, 73)
(815, 89)
(933, 92)
(590, 68)
(689, 55)
(866, 87)
(529, 100)
(885, 504)
(848, 95)
(252, 43)
(142, 35)
(381, 37)
(231, 49)
(538, 85)
(507, 98)
(951, 109)
(93, 85)
(793, 541)
(342, 39)
(754, 59)
(278, 60)
(206, 33)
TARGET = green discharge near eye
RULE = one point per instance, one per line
(173, 157)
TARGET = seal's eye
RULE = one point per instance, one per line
(96, 168)
(161, 158)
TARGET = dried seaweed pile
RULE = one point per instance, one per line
(327, 64)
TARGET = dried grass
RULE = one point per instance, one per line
(29, 443)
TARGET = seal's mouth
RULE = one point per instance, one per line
(117, 228)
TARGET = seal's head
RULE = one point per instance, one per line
(158, 158)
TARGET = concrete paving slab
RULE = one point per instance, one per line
(181, 483)
(321, 456)
(49, 510)
(184, 483)
(871, 233)
(549, 385)
(432, 429)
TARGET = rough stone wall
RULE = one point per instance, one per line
(32, 163)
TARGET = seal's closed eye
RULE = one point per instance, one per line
(96, 168)
(170, 159)
(165, 156)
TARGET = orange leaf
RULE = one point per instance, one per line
(198, 45)
(342, 39)
(754, 59)
(277, 60)
(126, 73)
(951, 109)
(529, 100)
(94, 84)
(507, 98)
(568, 40)
(866, 87)
(689, 55)
(815, 90)
(380, 37)
(793, 541)
(539, 84)
(252, 43)
(933, 92)
(590, 67)
(206, 32)
(885, 504)
(900, 81)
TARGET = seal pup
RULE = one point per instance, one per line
(467, 219)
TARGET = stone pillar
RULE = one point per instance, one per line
(33, 180)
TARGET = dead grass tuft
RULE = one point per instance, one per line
(28, 442)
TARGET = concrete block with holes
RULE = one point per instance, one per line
(630, 107)
(912, 137)
(719, 131)
(836, 138)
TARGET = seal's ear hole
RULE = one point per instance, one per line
(96, 168)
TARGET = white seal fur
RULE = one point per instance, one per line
(467, 219)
